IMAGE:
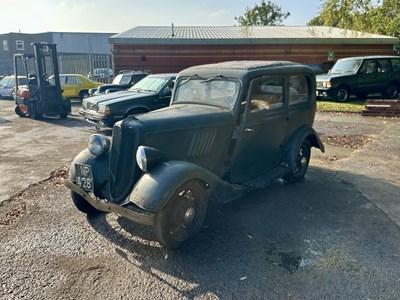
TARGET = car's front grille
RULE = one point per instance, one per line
(123, 168)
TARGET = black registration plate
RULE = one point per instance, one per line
(84, 177)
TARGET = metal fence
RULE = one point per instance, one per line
(97, 67)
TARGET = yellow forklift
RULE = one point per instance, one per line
(43, 94)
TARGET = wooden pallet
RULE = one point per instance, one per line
(381, 107)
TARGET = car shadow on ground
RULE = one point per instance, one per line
(321, 227)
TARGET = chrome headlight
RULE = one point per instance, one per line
(326, 84)
(98, 144)
(104, 109)
(147, 157)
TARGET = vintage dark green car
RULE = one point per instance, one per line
(231, 128)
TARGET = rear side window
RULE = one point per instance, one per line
(74, 80)
(395, 64)
(298, 89)
(383, 66)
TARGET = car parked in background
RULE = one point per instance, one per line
(122, 81)
(231, 128)
(150, 93)
(101, 73)
(7, 85)
(361, 76)
(76, 85)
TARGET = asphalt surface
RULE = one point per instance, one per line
(334, 236)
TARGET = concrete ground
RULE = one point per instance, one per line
(334, 236)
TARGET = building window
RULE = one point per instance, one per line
(20, 45)
(5, 45)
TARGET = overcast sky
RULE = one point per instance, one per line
(34, 16)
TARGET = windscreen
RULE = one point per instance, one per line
(346, 66)
(215, 91)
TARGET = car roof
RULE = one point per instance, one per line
(164, 75)
(369, 57)
(246, 67)
(133, 72)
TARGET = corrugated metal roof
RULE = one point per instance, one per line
(249, 35)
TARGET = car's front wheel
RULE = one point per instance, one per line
(82, 205)
(183, 215)
(298, 163)
(342, 94)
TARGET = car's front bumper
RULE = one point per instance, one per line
(96, 118)
(128, 211)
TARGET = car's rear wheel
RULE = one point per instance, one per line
(391, 91)
(298, 163)
(342, 94)
(183, 215)
(83, 206)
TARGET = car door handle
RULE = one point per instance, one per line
(249, 129)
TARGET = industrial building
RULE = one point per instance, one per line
(173, 48)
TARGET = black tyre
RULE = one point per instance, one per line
(33, 112)
(84, 94)
(19, 112)
(298, 163)
(342, 94)
(391, 91)
(183, 216)
(83, 206)
(63, 115)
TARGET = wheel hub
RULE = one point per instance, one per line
(303, 162)
(189, 215)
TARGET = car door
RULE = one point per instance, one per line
(258, 148)
(72, 86)
(3, 86)
(164, 96)
(367, 77)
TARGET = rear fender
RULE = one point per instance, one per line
(155, 188)
(295, 141)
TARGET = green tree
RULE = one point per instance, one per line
(264, 14)
(373, 16)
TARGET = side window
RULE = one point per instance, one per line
(298, 89)
(126, 79)
(62, 80)
(383, 66)
(368, 67)
(395, 64)
(74, 80)
(266, 94)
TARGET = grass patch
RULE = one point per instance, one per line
(354, 105)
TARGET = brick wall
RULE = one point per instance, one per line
(173, 58)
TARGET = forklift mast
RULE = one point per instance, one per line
(46, 92)
(44, 95)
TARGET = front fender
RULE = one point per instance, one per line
(155, 188)
(100, 170)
